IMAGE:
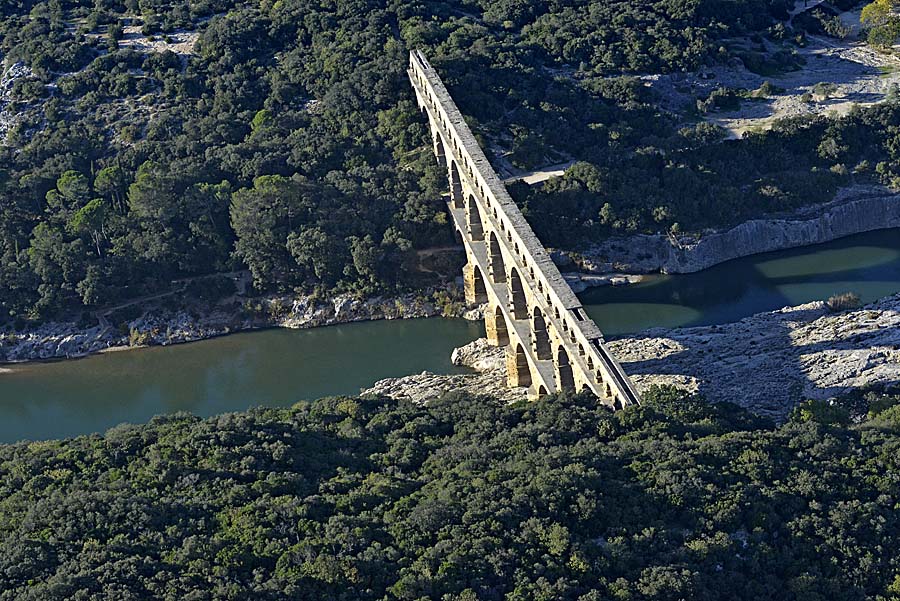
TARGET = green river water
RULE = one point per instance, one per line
(280, 367)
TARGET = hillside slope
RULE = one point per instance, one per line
(463, 499)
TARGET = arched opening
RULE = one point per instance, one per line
(456, 193)
(565, 380)
(495, 324)
(519, 372)
(542, 390)
(473, 220)
(540, 338)
(480, 289)
(517, 303)
(495, 260)
(439, 150)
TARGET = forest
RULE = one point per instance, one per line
(463, 499)
(287, 142)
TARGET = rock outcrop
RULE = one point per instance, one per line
(770, 361)
(766, 363)
(856, 210)
(488, 361)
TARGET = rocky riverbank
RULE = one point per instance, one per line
(160, 326)
(490, 378)
(766, 363)
(854, 210)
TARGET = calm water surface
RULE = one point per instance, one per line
(867, 264)
(231, 373)
(280, 367)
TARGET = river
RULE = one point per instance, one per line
(229, 373)
(867, 264)
(280, 367)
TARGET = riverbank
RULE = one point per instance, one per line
(160, 326)
(854, 210)
(766, 363)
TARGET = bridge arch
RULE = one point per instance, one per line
(495, 325)
(495, 260)
(439, 151)
(565, 379)
(540, 337)
(518, 304)
(518, 368)
(473, 220)
(480, 287)
(456, 191)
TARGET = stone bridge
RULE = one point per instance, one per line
(551, 343)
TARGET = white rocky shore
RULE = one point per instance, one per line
(59, 340)
(853, 211)
(765, 363)
(489, 378)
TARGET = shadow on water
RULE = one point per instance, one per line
(867, 264)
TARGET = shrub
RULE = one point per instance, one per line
(824, 90)
(138, 337)
(844, 301)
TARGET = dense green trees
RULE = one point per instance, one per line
(464, 499)
(696, 181)
(173, 147)
(882, 23)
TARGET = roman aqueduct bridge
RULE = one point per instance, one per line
(551, 343)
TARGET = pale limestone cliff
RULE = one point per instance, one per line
(854, 211)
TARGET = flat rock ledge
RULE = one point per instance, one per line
(766, 363)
